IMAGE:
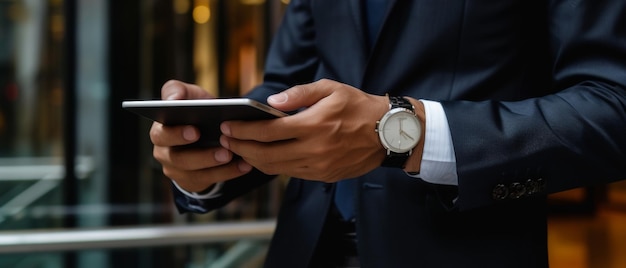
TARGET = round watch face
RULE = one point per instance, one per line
(399, 130)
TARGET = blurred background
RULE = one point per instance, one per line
(78, 184)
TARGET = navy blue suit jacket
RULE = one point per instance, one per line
(535, 95)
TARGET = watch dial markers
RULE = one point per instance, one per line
(400, 132)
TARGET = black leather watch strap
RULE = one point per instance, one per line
(397, 160)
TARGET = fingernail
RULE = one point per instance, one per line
(173, 96)
(225, 128)
(189, 133)
(222, 156)
(278, 98)
(244, 167)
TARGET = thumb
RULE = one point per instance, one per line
(302, 95)
(177, 90)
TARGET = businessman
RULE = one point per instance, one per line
(423, 133)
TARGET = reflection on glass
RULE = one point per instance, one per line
(31, 35)
(213, 43)
(31, 107)
(31, 39)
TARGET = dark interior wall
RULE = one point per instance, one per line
(124, 83)
(124, 80)
(148, 45)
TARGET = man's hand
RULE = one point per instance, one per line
(332, 139)
(193, 169)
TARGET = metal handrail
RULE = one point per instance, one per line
(47, 173)
(69, 240)
(41, 168)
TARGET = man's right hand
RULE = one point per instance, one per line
(193, 169)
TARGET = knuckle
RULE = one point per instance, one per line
(264, 134)
(156, 153)
(161, 154)
(154, 133)
(169, 172)
(300, 91)
(170, 159)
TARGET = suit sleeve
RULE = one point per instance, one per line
(291, 60)
(572, 138)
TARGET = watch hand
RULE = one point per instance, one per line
(406, 135)
(400, 122)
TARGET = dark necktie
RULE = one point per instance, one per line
(374, 14)
(345, 198)
(346, 189)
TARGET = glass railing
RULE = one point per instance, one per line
(133, 237)
(224, 244)
(29, 189)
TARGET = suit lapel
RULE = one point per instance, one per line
(388, 12)
(356, 6)
(370, 65)
(360, 62)
(357, 9)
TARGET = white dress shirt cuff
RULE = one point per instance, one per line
(438, 161)
(215, 192)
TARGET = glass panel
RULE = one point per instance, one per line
(31, 111)
(43, 260)
(138, 45)
(31, 121)
(92, 119)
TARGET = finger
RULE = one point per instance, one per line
(271, 159)
(177, 90)
(262, 130)
(192, 159)
(302, 95)
(162, 135)
(199, 180)
(268, 152)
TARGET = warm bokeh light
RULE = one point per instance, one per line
(181, 6)
(201, 14)
(252, 2)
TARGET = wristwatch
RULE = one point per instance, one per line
(399, 131)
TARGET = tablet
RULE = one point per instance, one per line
(206, 114)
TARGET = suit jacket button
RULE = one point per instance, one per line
(500, 192)
(542, 184)
(532, 187)
(517, 190)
